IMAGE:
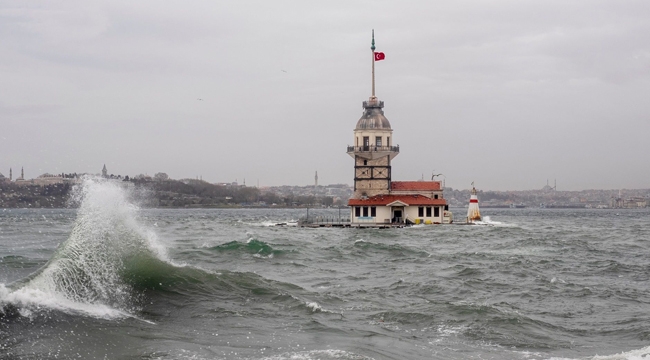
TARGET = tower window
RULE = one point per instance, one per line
(435, 196)
(366, 141)
(378, 141)
(365, 162)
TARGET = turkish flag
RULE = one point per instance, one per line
(379, 56)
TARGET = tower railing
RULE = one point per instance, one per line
(373, 103)
(371, 148)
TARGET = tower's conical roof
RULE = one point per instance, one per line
(373, 116)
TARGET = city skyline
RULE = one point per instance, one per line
(517, 92)
(546, 187)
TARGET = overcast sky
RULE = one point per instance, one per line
(504, 93)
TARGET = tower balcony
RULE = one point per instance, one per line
(373, 103)
(373, 152)
(370, 148)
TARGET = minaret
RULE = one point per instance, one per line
(10, 174)
(372, 150)
(22, 173)
(473, 213)
(316, 179)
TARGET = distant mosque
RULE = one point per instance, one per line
(377, 199)
(6, 179)
(41, 180)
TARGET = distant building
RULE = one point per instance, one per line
(548, 188)
(6, 179)
(377, 199)
(49, 179)
(22, 176)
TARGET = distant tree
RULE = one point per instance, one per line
(270, 198)
(161, 176)
(327, 201)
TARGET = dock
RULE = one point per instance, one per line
(319, 221)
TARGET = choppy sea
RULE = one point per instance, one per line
(109, 280)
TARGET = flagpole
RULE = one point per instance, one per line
(372, 48)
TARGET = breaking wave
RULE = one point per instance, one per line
(88, 272)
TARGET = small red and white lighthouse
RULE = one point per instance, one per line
(473, 213)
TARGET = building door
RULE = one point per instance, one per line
(397, 216)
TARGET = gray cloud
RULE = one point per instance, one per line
(505, 93)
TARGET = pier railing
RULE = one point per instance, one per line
(370, 148)
(324, 220)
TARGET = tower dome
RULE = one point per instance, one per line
(373, 116)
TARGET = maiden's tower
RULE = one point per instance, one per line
(377, 199)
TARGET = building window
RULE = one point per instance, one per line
(357, 211)
(365, 162)
(373, 211)
(421, 211)
(429, 211)
(378, 141)
(365, 211)
(435, 196)
(436, 212)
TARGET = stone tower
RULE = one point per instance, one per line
(373, 147)
(104, 172)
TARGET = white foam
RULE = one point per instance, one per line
(29, 300)
(315, 307)
(318, 354)
(279, 223)
(638, 354)
(487, 221)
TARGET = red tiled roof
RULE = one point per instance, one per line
(387, 199)
(415, 185)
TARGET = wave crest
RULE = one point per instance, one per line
(86, 273)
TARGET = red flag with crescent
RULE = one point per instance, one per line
(379, 56)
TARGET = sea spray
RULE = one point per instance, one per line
(87, 272)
